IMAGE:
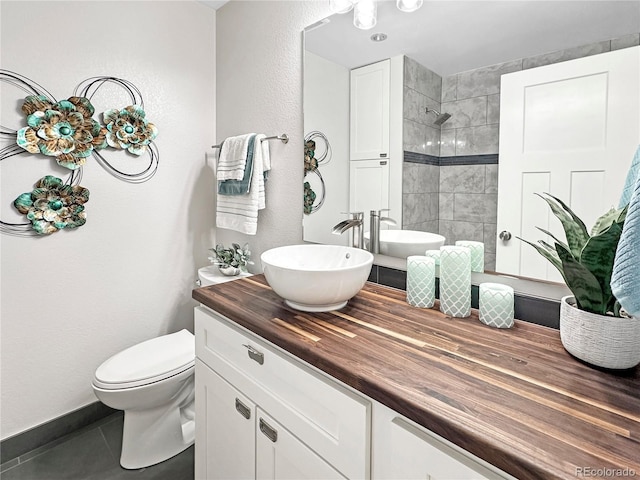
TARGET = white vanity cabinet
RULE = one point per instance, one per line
(404, 450)
(263, 414)
(369, 111)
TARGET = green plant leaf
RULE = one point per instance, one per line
(574, 228)
(548, 252)
(605, 221)
(598, 256)
(582, 283)
(554, 237)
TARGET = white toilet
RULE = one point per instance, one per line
(153, 382)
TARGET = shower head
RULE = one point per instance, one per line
(440, 117)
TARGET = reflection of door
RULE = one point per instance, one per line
(569, 129)
(368, 185)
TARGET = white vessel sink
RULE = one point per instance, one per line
(403, 243)
(316, 278)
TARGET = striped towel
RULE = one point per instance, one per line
(634, 172)
(233, 157)
(240, 187)
(625, 280)
(240, 212)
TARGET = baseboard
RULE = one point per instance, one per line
(21, 443)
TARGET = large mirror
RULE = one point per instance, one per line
(446, 62)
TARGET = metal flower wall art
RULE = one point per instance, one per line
(68, 131)
(52, 205)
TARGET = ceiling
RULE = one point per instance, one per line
(215, 4)
(454, 36)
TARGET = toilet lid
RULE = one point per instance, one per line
(148, 362)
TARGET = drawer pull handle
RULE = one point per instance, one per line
(255, 354)
(270, 432)
(243, 409)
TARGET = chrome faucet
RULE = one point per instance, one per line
(353, 223)
(375, 219)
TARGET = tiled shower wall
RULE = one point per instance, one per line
(421, 179)
(466, 160)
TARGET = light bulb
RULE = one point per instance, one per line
(409, 5)
(365, 14)
(340, 6)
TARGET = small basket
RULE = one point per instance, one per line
(601, 340)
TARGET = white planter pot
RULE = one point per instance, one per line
(601, 340)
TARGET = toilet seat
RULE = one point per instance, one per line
(148, 362)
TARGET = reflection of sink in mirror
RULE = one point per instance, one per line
(403, 243)
(316, 278)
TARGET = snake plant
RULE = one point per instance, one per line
(585, 260)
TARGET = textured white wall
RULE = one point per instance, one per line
(259, 89)
(72, 299)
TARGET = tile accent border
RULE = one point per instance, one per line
(487, 159)
(529, 309)
(21, 443)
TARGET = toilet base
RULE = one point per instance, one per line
(155, 435)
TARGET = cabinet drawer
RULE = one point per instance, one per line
(327, 417)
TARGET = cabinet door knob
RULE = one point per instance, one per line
(243, 409)
(270, 432)
(255, 354)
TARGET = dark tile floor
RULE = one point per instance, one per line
(92, 453)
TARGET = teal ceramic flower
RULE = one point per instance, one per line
(127, 129)
(64, 130)
(52, 206)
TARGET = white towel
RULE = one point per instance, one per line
(240, 212)
(233, 157)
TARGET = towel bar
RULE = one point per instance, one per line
(284, 138)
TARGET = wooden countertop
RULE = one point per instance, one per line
(514, 398)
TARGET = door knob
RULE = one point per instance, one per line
(505, 236)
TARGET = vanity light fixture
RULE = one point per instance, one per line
(409, 5)
(365, 13)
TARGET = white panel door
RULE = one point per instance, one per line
(568, 129)
(369, 111)
(281, 456)
(368, 185)
(225, 430)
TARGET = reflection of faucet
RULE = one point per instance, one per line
(354, 223)
(374, 228)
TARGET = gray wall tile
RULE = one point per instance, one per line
(462, 178)
(484, 81)
(568, 54)
(413, 136)
(419, 208)
(448, 143)
(489, 262)
(625, 41)
(454, 231)
(489, 235)
(449, 86)
(420, 178)
(466, 113)
(446, 206)
(414, 104)
(474, 207)
(491, 179)
(423, 80)
(493, 108)
(477, 140)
